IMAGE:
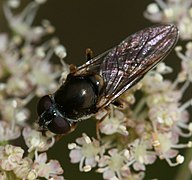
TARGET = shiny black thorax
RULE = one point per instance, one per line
(77, 97)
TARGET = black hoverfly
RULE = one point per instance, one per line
(101, 80)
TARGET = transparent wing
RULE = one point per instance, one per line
(124, 65)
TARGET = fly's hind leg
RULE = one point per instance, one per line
(120, 103)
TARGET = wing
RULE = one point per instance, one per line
(124, 65)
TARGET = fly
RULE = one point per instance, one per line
(101, 80)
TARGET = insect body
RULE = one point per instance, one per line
(101, 80)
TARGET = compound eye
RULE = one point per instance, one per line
(58, 125)
(44, 104)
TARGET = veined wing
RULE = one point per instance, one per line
(124, 65)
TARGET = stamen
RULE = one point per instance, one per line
(81, 164)
(162, 4)
(181, 146)
(126, 153)
(181, 56)
(190, 127)
(87, 139)
(152, 8)
(72, 146)
(186, 127)
(49, 54)
(29, 13)
(186, 105)
(184, 87)
(178, 48)
(118, 175)
(123, 129)
(115, 178)
(101, 170)
(87, 168)
(155, 142)
(60, 51)
(187, 135)
(179, 160)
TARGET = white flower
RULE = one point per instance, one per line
(36, 141)
(169, 11)
(154, 82)
(113, 166)
(14, 3)
(114, 123)
(24, 168)
(51, 169)
(166, 114)
(8, 131)
(85, 152)
(141, 154)
(165, 145)
(10, 157)
(186, 61)
(22, 23)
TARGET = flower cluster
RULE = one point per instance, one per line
(150, 127)
(25, 73)
(172, 11)
(15, 166)
(135, 137)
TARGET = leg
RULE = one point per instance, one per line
(68, 69)
(120, 103)
(89, 54)
(72, 68)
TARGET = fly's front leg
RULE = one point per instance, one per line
(89, 54)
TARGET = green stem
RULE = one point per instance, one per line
(139, 107)
(11, 176)
(31, 154)
(184, 172)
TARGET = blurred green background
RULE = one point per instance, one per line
(98, 25)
